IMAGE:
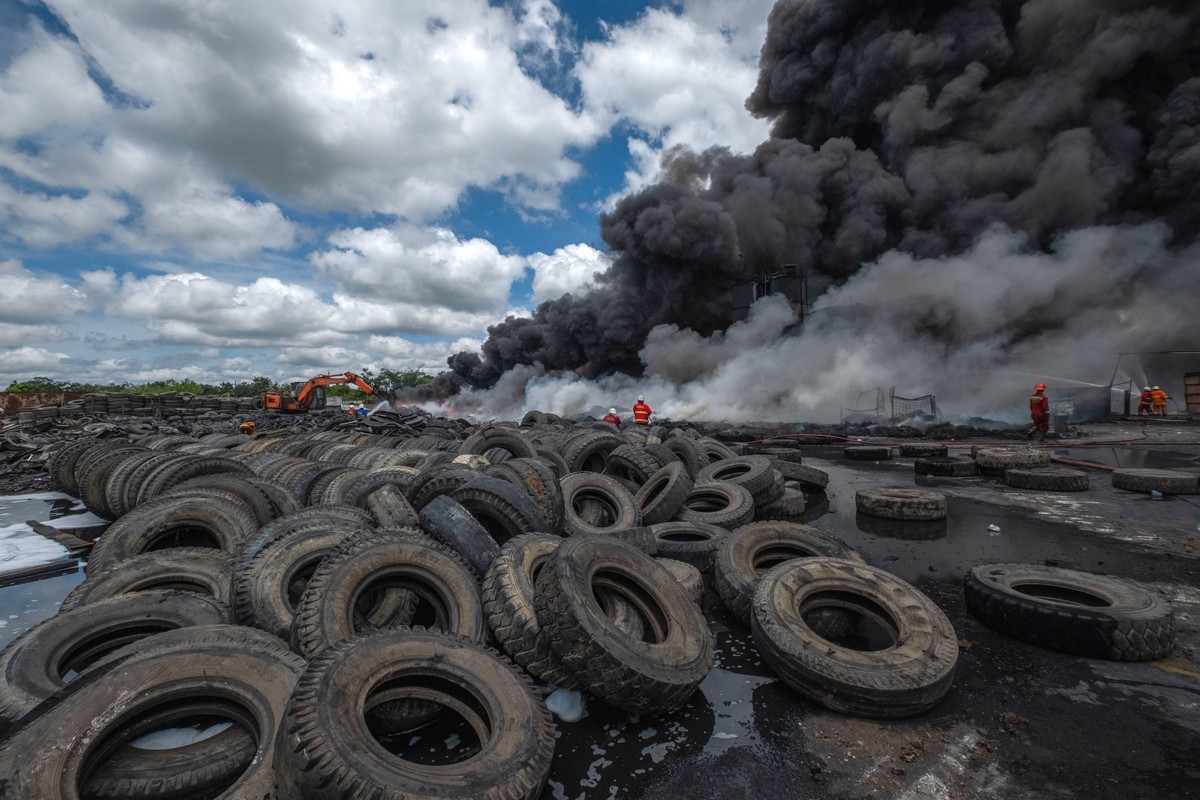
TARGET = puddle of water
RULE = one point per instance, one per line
(26, 604)
(1134, 457)
(946, 551)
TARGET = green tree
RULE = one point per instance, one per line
(39, 384)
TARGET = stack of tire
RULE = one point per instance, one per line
(325, 589)
(1028, 469)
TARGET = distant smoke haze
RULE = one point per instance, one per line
(984, 194)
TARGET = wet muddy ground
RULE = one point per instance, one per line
(1020, 721)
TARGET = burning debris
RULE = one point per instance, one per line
(975, 191)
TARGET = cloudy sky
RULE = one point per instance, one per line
(216, 189)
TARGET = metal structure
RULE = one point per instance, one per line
(1191, 392)
(876, 404)
(790, 281)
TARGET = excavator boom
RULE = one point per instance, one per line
(312, 394)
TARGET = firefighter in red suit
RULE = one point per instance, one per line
(1039, 409)
(1144, 402)
(641, 412)
(611, 417)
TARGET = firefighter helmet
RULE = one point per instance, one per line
(612, 411)
(641, 399)
(1041, 387)
(1156, 388)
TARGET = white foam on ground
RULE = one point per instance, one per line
(567, 705)
(13, 498)
(87, 520)
(20, 547)
(172, 738)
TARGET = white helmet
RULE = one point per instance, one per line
(612, 411)
(641, 398)
(1155, 387)
(1146, 389)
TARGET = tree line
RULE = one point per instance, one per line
(386, 382)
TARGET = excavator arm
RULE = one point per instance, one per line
(304, 397)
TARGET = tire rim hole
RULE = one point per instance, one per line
(685, 537)
(178, 583)
(773, 556)
(657, 624)
(298, 580)
(184, 536)
(431, 609)
(176, 727)
(594, 463)
(95, 647)
(453, 725)
(851, 621)
(1061, 594)
(496, 528)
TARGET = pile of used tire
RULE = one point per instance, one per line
(323, 594)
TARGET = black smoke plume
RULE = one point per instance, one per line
(910, 127)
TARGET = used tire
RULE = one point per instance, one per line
(540, 481)
(1163, 481)
(690, 542)
(906, 504)
(588, 452)
(946, 467)
(268, 586)
(923, 450)
(906, 674)
(504, 510)
(192, 569)
(993, 461)
(755, 473)
(390, 508)
(789, 507)
(688, 576)
(508, 601)
(326, 751)
(174, 522)
(748, 552)
(656, 672)
(689, 453)
(1072, 612)
(36, 664)
(245, 673)
(1047, 479)
(596, 504)
(868, 453)
(726, 505)
(809, 477)
(448, 593)
(508, 439)
(664, 493)
(445, 519)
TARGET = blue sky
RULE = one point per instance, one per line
(218, 190)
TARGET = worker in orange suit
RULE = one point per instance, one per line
(1158, 399)
(1144, 401)
(247, 428)
(641, 411)
(1039, 409)
(611, 417)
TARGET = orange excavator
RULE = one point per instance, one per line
(311, 394)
